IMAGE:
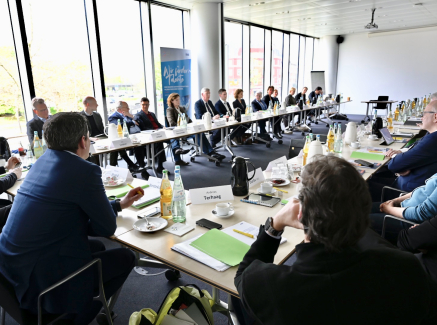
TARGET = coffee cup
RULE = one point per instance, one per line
(266, 188)
(223, 209)
(348, 99)
(373, 137)
(355, 145)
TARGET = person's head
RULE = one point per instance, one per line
(433, 97)
(275, 93)
(429, 118)
(90, 104)
(40, 107)
(173, 100)
(258, 95)
(205, 93)
(68, 131)
(238, 93)
(292, 91)
(318, 90)
(304, 90)
(122, 107)
(270, 90)
(335, 203)
(145, 103)
(223, 94)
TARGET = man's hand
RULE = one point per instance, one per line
(18, 172)
(288, 216)
(392, 152)
(12, 162)
(131, 197)
(216, 117)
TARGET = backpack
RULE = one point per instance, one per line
(5, 151)
(296, 145)
(178, 296)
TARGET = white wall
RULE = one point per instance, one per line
(401, 66)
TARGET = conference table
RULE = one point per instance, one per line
(368, 102)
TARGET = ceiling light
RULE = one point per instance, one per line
(382, 16)
(256, 4)
(354, 0)
(372, 25)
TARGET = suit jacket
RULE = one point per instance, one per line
(313, 97)
(116, 116)
(144, 121)
(220, 107)
(257, 106)
(172, 115)
(97, 119)
(242, 105)
(7, 181)
(290, 101)
(266, 99)
(200, 109)
(300, 96)
(33, 125)
(4, 213)
(421, 160)
(61, 202)
(352, 286)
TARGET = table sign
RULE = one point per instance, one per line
(273, 163)
(211, 194)
(92, 151)
(123, 173)
(198, 127)
(179, 131)
(155, 182)
(121, 143)
(219, 123)
(245, 118)
(282, 111)
(259, 114)
(158, 135)
(258, 178)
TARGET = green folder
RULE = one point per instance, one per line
(120, 191)
(367, 156)
(222, 247)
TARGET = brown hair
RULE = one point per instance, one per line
(270, 87)
(335, 203)
(237, 93)
(171, 98)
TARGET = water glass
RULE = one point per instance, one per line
(276, 172)
(284, 172)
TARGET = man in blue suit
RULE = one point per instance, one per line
(41, 116)
(204, 105)
(61, 202)
(259, 105)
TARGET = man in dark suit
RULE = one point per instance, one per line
(7, 181)
(61, 203)
(270, 100)
(41, 115)
(302, 95)
(335, 279)
(204, 105)
(259, 105)
(314, 95)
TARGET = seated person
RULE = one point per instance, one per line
(224, 108)
(122, 114)
(329, 263)
(275, 97)
(46, 234)
(7, 181)
(302, 95)
(4, 213)
(240, 103)
(290, 101)
(259, 105)
(173, 111)
(204, 105)
(36, 124)
(433, 97)
(267, 99)
(314, 95)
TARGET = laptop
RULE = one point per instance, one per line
(388, 139)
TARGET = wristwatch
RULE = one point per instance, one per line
(268, 227)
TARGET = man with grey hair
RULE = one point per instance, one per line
(41, 114)
(95, 123)
(433, 97)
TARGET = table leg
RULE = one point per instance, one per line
(152, 149)
(222, 307)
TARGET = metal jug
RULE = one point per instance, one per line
(240, 176)
(207, 120)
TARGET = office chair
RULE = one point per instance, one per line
(379, 106)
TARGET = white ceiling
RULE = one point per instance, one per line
(327, 17)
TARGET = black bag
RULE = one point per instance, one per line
(5, 151)
(296, 145)
(338, 98)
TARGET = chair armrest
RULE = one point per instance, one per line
(389, 188)
(396, 218)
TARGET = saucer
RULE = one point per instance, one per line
(230, 214)
(156, 223)
(272, 191)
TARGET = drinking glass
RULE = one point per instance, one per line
(276, 172)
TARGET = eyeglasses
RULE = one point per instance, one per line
(429, 112)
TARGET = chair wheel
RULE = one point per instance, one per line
(172, 275)
(217, 163)
(327, 125)
(303, 133)
(233, 157)
(362, 121)
(280, 141)
(193, 159)
(347, 119)
(268, 145)
(316, 122)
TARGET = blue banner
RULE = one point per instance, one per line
(176, 76)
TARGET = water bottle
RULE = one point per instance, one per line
(178, 204)
(125, 130)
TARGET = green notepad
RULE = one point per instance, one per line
(121, 191)
(367, 156)
(222, 247)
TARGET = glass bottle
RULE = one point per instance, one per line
(305, 150)
(166, 196)
(37, 145)
(178, 204)
(331, 139)
(424, 102)
(43, 142)
(390, 121)
(338, 140)
(125, 130)
(397, 113)
(403, 107)
(311, 136)
(119, 129)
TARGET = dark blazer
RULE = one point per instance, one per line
(290, 101)
(4, 213)
(200, 109)
(33, 125)
(347, 287)
(7, 181)
(257, 107)
(144, 121)
(172, 115)
(266, 99)
(46, 235)
(116, 116)
(313, 97)
(97, 119)
(421, 160)
(219, 107)
(242, 105)
(299, 96)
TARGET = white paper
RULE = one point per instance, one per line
(158, 135)
(273, 163)
(179, 229)
(179, 131)
(183, 315)
(282, 111)
(92, 150)
(123, 173)
(211, 194)
(219, 123)
(155, 182)
(198, 127)
(259, 115)
(247, 228)
(121, 143)
(258, 178)
(172, 320)
(245, 118)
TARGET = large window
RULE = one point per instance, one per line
(59, 52)
(12, 117)
(294, 61)
(285, 65)
(309, 63)
(256, 61)
(233, 57)
(277, 44)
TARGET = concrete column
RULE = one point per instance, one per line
(206, 49)
(329, 57)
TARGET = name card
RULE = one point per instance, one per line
(259, 114)
(211, 194)
(281, 160)
(121, 143)
(219, 123)
(179, 131)
(258, 178)
(198, 127)
(282, 111)
(158, 135)
(92, 151)
(123, 173)
(245, 118)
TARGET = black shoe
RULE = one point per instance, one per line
(181, 151)
(218, 156)
(134, 168)
(181, 163)
(145, 174)
(161, 168)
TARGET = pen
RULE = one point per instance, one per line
(138, 192)
(278, 189)
(244, 233)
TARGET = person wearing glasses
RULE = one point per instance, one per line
(41, 115)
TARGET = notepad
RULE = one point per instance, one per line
(222, 247)
(120, 191)
(151, 195)
(367, 156)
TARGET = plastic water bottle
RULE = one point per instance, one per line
(125, 130)
(178, 204)
(44, 144)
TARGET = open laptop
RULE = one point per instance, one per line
(388, 139)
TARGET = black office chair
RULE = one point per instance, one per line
(379, 106)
